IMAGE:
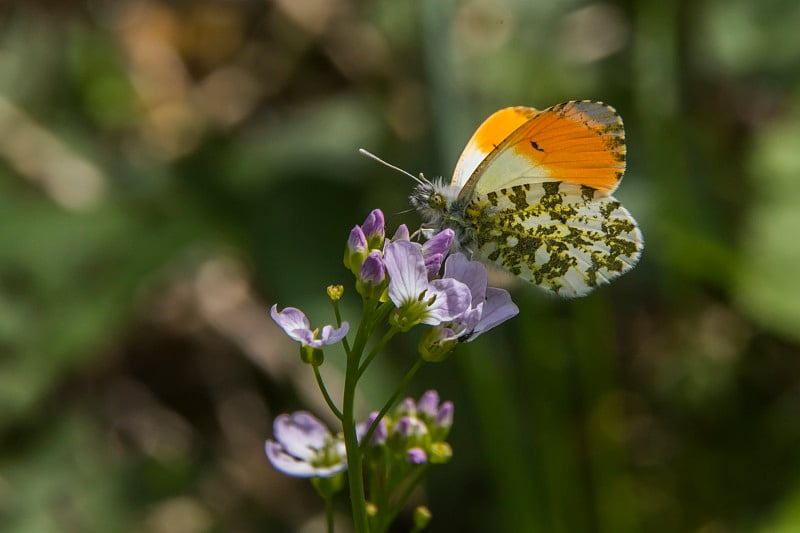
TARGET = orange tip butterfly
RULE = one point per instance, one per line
(532, 193)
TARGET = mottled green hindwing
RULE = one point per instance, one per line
(563, 237)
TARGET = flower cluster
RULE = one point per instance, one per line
(304, 447)
(459, 304)
(414, 432)
(402, 284)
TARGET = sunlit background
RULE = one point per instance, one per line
(171, 168)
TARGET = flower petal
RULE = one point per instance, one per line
(497, 308)
(292, 466)
(433, 263)
(471, 273)
(452, 299)
(407, 274)
(401, 234)
(439, 243)
(301, 434)
(332, 336)
(292, 320)
(286, 463)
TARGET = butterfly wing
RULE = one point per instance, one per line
(538, 202)
(487, 137)
(563, 237)
(579, 142)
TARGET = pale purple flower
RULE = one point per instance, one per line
(428, 404)
(489, 306)
(378, 436)
(444, 418)
(418, 300)
(304, 447)
(296, 325)
(416, 456)
(438, 417)
(407, 407)
(497, 308)
(410, 426)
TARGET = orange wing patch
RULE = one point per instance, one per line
(490, 134)
(576, 142)
(497, 127)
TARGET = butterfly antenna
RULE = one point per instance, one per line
(398, 169)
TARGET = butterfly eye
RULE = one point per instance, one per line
(436, 201)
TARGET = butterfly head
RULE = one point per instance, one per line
(437, 204)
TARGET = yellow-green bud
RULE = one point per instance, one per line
(422, 516)
(440, 453)
(335, 292)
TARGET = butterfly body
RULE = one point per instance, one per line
(532, 194)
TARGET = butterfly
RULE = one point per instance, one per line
(531, 193)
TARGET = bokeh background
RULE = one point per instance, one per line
(170, 168)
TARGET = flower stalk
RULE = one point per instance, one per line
(402, 287)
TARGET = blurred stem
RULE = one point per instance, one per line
(407, 490)
(329, 514)
(324, 390)
(355, 474)
(398, 391)
(508, 457)
(376, 349)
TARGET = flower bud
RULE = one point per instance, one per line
(406, 407)
(378, 435)
(372, 509)
(416, 456)
(335, 292)
(428, 404)
(374, 230)
(410, 428)
(444, 418)
(371, 279)
(440, 453)
(422, 517)
(356, 249)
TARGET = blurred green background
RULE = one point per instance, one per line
(170, 168)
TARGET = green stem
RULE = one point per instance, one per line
(329, 514)
(398, 391)
(355, 473)
(376, 349)
(325, 394)
(383, 310)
